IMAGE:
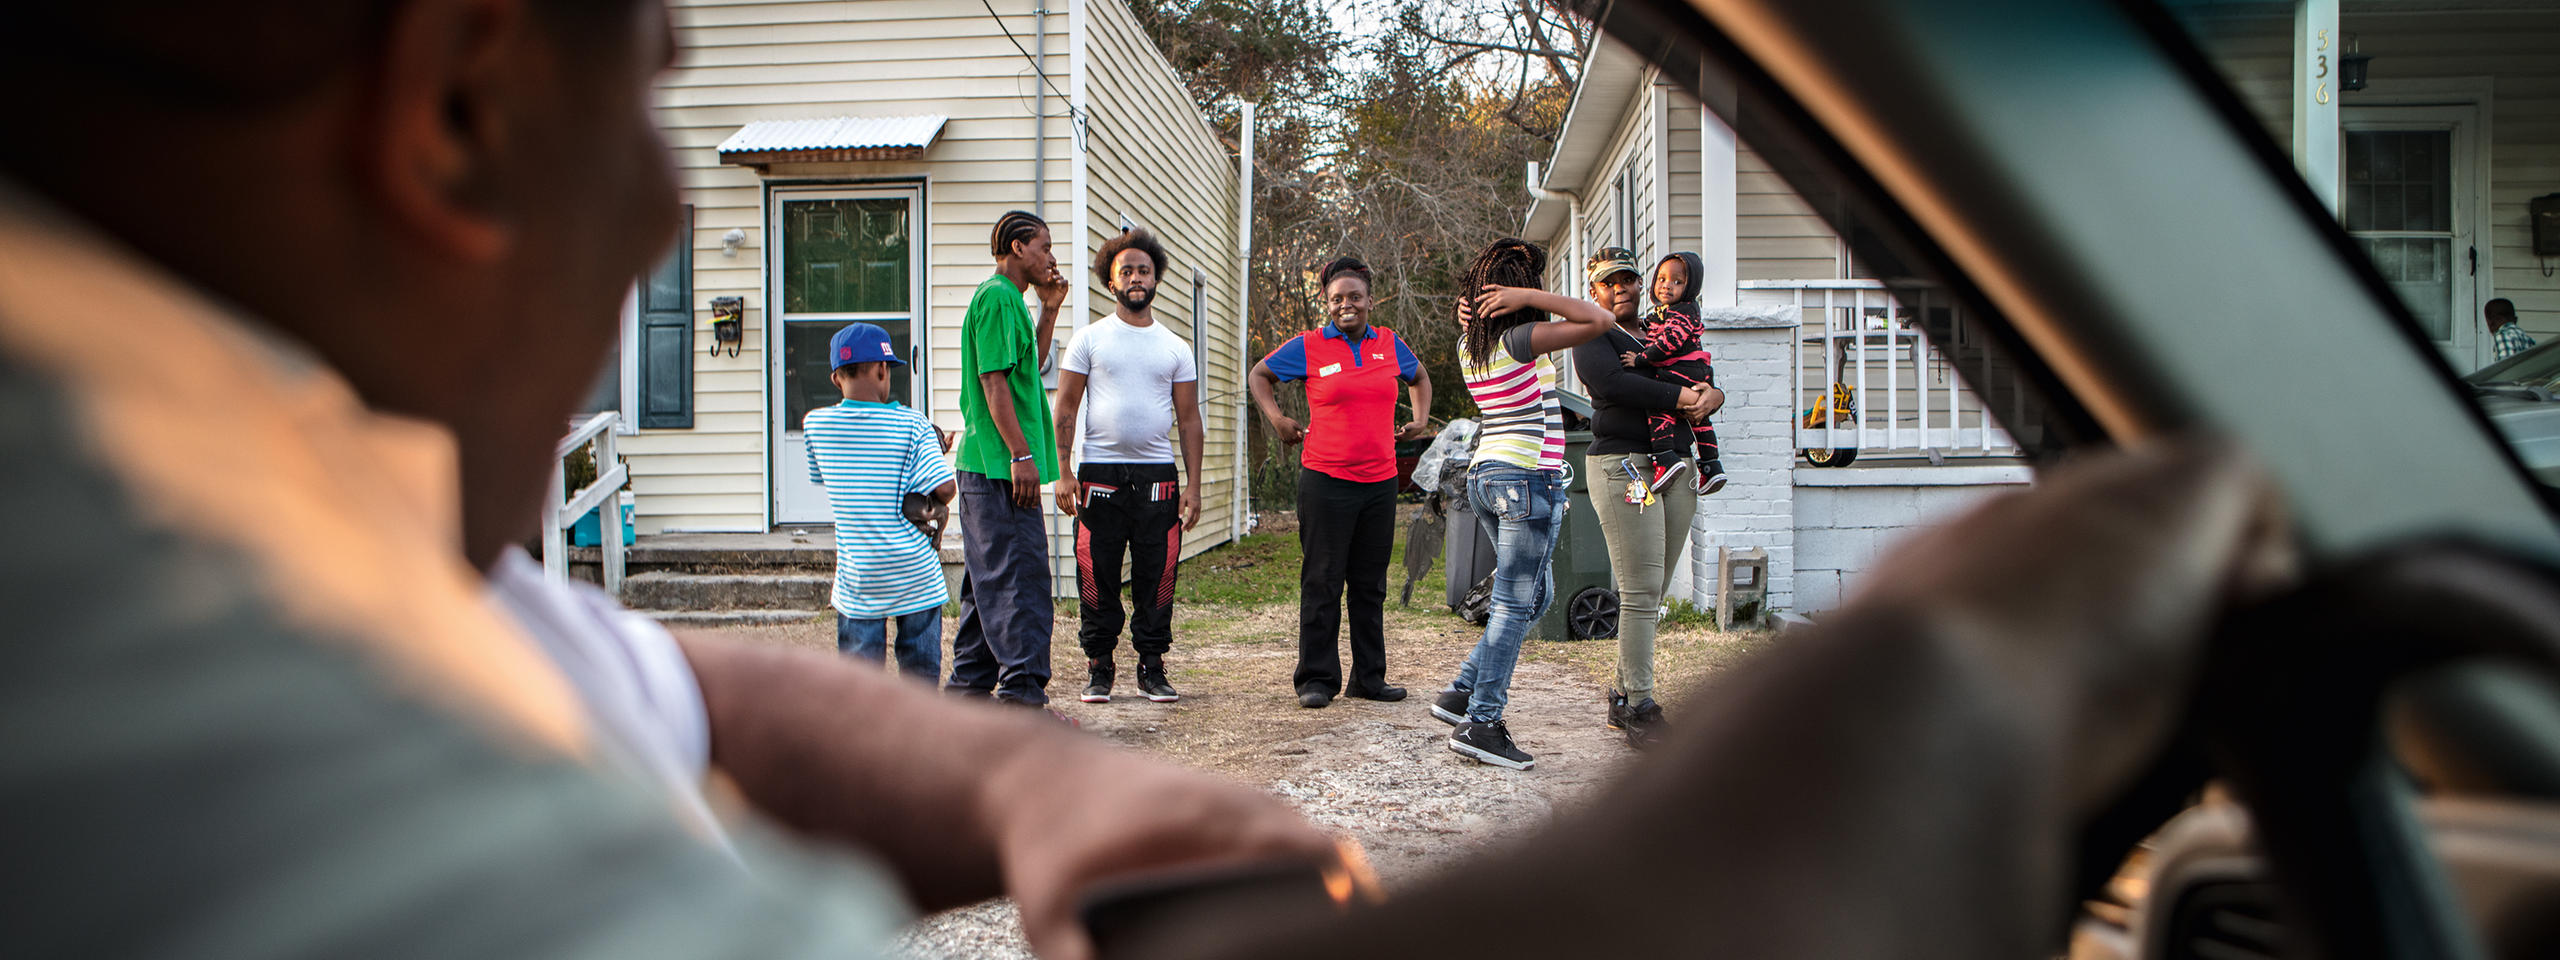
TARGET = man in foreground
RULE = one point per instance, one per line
(254, 706)
(267, 409)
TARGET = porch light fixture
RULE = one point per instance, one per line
(731, 241)
(2351, 66)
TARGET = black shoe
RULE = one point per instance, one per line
(1151, 682)
(1450, 706)
(1617, 710)
(1039, 708)
(1488, 743)
(1098, 688)
(1381, 694)
(1313, 697)
(1644, 724)
(1710, 477)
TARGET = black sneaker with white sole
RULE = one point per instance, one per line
(1098, 688)
(1711, 477)
(1488, 742)
(1450, 706)
(1151, 681)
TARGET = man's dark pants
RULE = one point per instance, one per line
(1345, 530)
(1131, 519)
(1003, 641)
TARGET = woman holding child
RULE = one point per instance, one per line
(1644, 537)
(1517, 484)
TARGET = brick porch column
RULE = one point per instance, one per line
(1754, 349)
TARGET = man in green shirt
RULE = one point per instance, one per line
(1007, 451)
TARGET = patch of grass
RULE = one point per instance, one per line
(1263, 568)
(1682, 613)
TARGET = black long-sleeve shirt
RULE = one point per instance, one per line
(1621, 399)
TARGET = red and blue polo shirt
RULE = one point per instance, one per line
(1351, 398)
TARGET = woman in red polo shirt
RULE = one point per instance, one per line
(1346, 479)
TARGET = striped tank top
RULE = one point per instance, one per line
(1523, 422)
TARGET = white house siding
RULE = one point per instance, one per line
(1631, 151)
(1681, 145)
(1152, 159)
(1777, 234)
(2253, 48)
(784, 60)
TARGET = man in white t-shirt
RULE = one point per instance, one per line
(1125, 496)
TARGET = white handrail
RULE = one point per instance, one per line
(561, 507)
(1851, 342)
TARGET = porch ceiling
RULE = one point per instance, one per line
(1611, 78)
(831, 140)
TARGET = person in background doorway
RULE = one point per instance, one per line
(1007, 452)
(1125, 496)
(1517, 485)
(2504, 331)
(870, 454)
(1346, 479)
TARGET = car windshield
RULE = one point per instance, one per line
(2430, 131)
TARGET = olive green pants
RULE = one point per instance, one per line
(1643, 542)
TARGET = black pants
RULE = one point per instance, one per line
(1673, 435)
(1346, 530)
(1129, 510)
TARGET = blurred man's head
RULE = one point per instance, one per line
(446, 199)
(2499, 312)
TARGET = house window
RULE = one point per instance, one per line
(2399, 207)
(1625, 212)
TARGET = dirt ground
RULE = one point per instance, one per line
(1380, 771)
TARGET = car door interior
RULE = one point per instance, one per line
(2074, 173)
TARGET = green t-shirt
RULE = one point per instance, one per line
(996, 334)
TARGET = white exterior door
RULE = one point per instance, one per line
(840, 255)
(2409, 192)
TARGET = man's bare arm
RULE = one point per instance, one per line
(1186, 418)
(1070, 397)
(965, 802)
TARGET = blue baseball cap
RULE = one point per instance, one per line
(861, 343)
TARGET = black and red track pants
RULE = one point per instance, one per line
(1130, 510)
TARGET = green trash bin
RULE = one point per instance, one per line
(1586, 599)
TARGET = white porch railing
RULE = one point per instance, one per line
(1909, 398)
(560, 509)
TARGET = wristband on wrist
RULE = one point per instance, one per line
(1023, 458)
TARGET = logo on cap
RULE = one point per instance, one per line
(884, 351)
(844, 353)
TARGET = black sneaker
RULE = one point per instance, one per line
(1098, 689)
(1381, 694)
(1450, 706)
(1151, 682)
(1617, 710)
(1644, 724)
(1710, 477)
(1488, 743)
(1314, 697)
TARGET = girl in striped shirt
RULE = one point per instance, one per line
(1517, 485)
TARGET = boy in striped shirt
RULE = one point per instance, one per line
(870, 453)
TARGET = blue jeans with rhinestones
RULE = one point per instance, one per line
(1519, 510)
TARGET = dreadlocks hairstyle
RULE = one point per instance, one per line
(1016, 226)
(1133, 239)
(1509, 262)
(1340, 266)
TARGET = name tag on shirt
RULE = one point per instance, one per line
(1329, 370)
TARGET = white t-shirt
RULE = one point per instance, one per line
(1128, 391)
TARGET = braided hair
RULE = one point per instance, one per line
(1508, 262)
(1016, 226)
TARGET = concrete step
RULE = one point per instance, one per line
(734, 618)
(663, 590)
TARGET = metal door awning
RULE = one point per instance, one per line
(831, 140)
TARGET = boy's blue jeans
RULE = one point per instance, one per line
(1519, 510)
(919, 642)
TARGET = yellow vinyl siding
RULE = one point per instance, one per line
(1777, 234)
(1151, 158)
(1688, 210)
(744, 62)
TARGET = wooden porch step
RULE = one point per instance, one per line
(734, 618)
(665, 590)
